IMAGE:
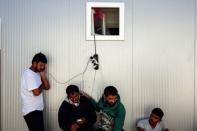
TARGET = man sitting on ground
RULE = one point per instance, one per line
(154, 122)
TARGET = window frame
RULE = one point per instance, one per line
(90, 5)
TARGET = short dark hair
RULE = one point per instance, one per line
(72, 89)
(110, 90)
(39, 57)
(158, 112)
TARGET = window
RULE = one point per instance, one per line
(105, 21)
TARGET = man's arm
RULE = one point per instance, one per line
(93, 102)
(74, 127)
(37, 91)
(140, 129)
(91, 115)
(45, 82)
(165, 127)
(119, 120)
(45, 85)
(63, 117)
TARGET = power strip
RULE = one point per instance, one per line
(95, 61)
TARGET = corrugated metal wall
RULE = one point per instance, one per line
(153, 66)
(163, 60)
(0, 71)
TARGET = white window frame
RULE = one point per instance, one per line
(89, 6)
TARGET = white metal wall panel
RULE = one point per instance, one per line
(163, 60)
(195, 60)
(57, 29)
(0, 73)
(30, 27)
(153, 66)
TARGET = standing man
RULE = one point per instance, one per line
(33, 82)
(76, 112)
(154, 122)
(111, 111)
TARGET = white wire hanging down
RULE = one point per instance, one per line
(82, 73)
(93, 83)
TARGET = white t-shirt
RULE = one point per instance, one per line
(144, 124)
(30, 80)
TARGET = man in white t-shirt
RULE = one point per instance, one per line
(154, 122)
(33, 81)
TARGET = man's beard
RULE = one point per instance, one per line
(111, 104)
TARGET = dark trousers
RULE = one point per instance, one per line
(35, 121)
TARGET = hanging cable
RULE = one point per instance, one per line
(95, 62)
(94, 58)
(94, 44)
(82, 73)
(83, 77)
(93, 83)
(194, 121)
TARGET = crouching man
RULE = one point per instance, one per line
(76, 112)
(110, 109)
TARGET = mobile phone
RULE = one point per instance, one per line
(79, 120)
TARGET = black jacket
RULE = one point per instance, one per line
(68, 114)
